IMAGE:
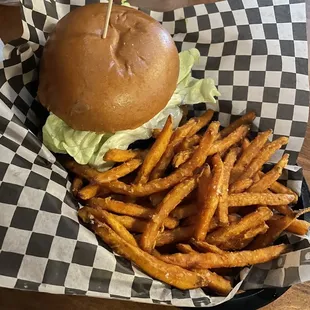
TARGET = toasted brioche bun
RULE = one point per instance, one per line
(111, 84)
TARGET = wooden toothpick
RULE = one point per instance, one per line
(106, 25)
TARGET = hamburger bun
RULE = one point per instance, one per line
(111, 84)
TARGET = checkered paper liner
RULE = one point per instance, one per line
(256, 51)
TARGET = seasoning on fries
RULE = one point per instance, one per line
(225, 234)
(155, 153)
(270, 177)
(223, 200)
(275, 229)
(189, 143)
(185, 248)
(206, 247)
(147, 209)
(89, 191)
(249, 199)
(177, 137)
(209, 194)
(240, 186)
(249, 154)
(262, 157)
(120, 156)
(298, 227)
(173, 198)
(130, 209)
(219, 146)
(229, 259)
(246, 119)
(171, 274)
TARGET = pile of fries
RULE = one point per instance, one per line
(194, 205)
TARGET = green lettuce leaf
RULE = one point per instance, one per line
(89, 147)
(190, 89)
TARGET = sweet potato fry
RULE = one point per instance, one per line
(131, 223)
(118, 228)
(222, 209)
(173, 275)
(233, 138)
(202, 121)
(270, 177)
(117, 172)
(157, 198)
(208, 200)
(189, 142)
(275, 229)
(219, 146)
(83, 171)
(85, 214)
(224, 234)
(76, 185)
(130, 209)
(95, 176)
(240, 186)
(185, 248)
(250, 199)
(173, 198)
(279, 188)
(206, 247)
(120, 207)
(156, 132)
(257, 177)
(191, 220)
(216, 282)
(120, 156)
(155, 153)
(245, 143)
(258, 230)
(182, 157)
(284, 209)
(179, 234)
(236, 244)
(249, 154)
(89, 215)
(186, 170)
(262, 157)
(298, 227)
(239, 242)
(246, 119)
(229, 259)
(178, 136)
(89, 191)
(184, 211)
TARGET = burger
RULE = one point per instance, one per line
(105, 93)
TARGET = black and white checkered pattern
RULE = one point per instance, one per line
(255, 50)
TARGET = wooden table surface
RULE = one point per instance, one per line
(297, 297)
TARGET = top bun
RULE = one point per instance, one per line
(111, 84)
